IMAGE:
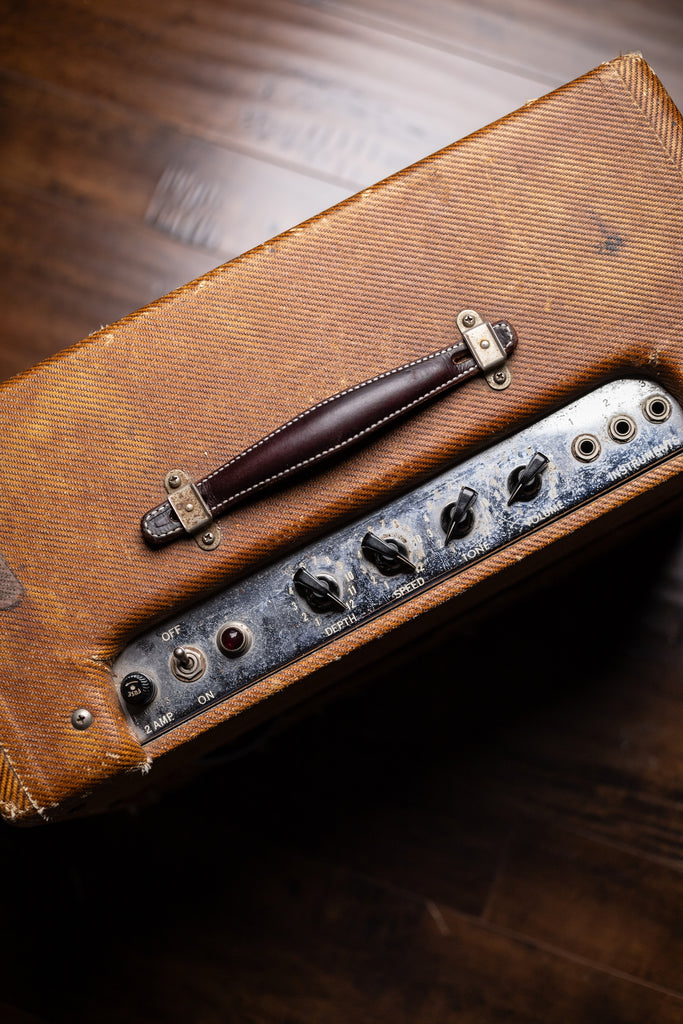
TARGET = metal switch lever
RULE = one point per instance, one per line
(184, 658)
(187, 663)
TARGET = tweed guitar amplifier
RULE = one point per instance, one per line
(212, 506)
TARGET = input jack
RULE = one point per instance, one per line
(585, 448)
(657, 408)
(622, 428)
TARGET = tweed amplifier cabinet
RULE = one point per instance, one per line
(225, 500)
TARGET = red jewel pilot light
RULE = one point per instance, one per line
(234, 639)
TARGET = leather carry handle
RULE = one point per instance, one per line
(321, 432)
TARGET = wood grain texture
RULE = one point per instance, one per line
(607, 904)
(273, 78)
(554, 42)
(444, 843)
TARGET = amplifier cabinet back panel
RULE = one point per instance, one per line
(564, 219)
(277, 615)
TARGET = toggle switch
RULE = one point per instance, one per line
(321, 593)
(187, 663)
(457, 519)
(524, 482)
(390, 556)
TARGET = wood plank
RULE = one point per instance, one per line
(605, 904)
(555, 42)
(596, 740)
(74, 148)
(231, 923)
(14, 1015)
(451, 969)
(664, 616)
(274, 79)
(448, 850)
(61, 282)
(306, 944)
(608, 764)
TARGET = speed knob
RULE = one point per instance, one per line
(390, 556)
(321, 593)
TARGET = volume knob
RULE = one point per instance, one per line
(524, 482)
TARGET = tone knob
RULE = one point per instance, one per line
(138, 690)
(524, 482)
(457, 519)
(321, 593)
(390, 556)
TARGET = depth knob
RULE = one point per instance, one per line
(321, 593)
(390, 556)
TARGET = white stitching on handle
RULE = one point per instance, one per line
(163, 509)
(171, 530)
(327, 401)
(337, 447)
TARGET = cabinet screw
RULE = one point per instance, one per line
(81, 719)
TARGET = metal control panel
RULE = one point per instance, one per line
(282, 612)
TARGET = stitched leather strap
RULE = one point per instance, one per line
(325, 430)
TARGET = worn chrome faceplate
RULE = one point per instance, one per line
(285, 629)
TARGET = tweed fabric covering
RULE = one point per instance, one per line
(13, 798)
(566, 218)
(655, 104)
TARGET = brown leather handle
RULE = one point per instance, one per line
(324, 430)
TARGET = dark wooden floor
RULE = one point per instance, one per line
(453, 840)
